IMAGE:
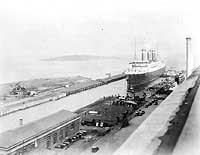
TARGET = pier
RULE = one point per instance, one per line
(70, 103)
(111, 107)
(23, 104)
(111, 135)
(171, 127)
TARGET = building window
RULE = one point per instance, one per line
(48, 142)
(54, 138)
(72, 126)
(66, 132)
(61, 135)
(33, 145)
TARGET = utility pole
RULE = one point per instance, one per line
(187, 42)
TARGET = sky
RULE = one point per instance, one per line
(50, 28)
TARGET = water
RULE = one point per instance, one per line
(17, 69)
(25, 69)
(71, 103)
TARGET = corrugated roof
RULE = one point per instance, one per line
(12, 137)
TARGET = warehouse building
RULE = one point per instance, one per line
(43, 133)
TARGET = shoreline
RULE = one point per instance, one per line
(38, 100)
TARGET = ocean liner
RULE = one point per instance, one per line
(144, 71)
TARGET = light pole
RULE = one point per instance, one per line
(187, 41)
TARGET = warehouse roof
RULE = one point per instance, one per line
(34, 129)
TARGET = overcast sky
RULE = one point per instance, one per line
(48, 28)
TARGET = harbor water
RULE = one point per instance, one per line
(19, 69)
(71, 103)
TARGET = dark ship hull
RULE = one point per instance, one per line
(135, 81)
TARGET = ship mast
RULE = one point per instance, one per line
(135, 50)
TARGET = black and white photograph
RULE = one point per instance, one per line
(104, 77)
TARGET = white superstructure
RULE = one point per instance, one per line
(141, 67)
(149, 63)
(141, 72)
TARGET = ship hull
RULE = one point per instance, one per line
(134, 81)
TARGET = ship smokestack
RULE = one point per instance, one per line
(149, 55)
(143, 55)
(153, 55)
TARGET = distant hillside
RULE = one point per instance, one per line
(80, 58)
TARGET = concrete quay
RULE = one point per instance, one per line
(189, 140)
(165, 132)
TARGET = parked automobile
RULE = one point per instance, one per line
(67, 139)
(149, 103)
(156, 103)
(142, 113)
(79, 135)
(137, 113)
(59, 146)
(74, 138)
(146, 106)
(66, 143)
(94, 149)
(89, 138)
(83, 132)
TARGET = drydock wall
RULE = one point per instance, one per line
(146, 139)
